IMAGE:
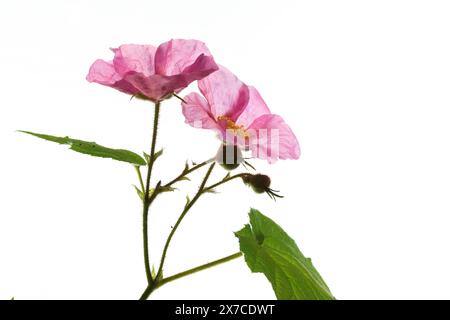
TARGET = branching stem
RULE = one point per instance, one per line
(159, 280)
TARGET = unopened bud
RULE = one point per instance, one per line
(260, 183)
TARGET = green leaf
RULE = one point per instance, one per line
(139, 192)
(153, 271)
(158, 154)
(146, 157)
(93, 149)
(167, 189)
(268, 249)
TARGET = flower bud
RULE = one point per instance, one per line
(260, 183)
(229, 157)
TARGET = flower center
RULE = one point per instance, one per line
(231, 125)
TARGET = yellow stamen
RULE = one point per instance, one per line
(231, 125)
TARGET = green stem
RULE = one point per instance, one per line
(157, 284)
(178, 97)
(147, 199)
(159, 280)
(186, 172)
(211, 187)
(183, 214)
(152, 285)
(152, 149)
(197, 269)
(141, 182)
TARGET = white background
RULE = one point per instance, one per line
(364, 84)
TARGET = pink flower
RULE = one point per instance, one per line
(151, 72)
(240, 116)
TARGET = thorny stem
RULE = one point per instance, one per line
(147, 199)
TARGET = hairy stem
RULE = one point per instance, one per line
(147, 199)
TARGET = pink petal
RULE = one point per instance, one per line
(183, 61)
(174, 56)
(271, 139)
(201, 68)
(225, 93)
(197, 113)
(103, 72)
(175, 83)
(135, 58)
(154, 87)
(255, 108)
(154, 73)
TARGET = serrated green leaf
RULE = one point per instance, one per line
(268, 249)
(93, 149)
